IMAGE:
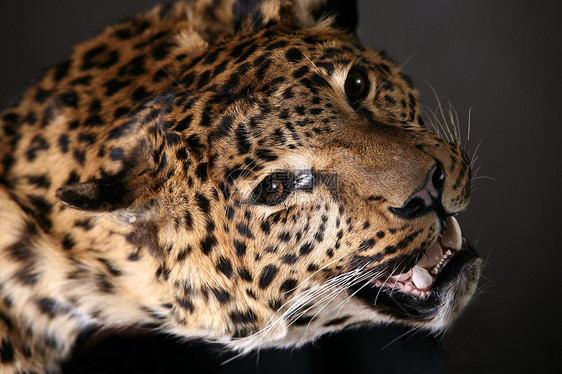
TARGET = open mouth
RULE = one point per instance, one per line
(419, 292)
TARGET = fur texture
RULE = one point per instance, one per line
(130, 178)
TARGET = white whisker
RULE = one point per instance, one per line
(468, 128)
(407, 60)
(412, 331)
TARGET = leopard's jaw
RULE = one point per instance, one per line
(454, 269)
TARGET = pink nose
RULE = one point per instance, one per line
(426, 199)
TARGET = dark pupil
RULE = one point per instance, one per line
(355, 85)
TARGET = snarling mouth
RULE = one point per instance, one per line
(419, 292)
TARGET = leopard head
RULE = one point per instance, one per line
(283, 181)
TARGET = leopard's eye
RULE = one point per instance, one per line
(274, 189)
(356, 86)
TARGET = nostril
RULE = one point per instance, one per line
(413, 208)
(426, 199)
(438, 177)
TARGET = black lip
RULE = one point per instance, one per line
(408, 307)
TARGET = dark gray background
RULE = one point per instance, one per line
(502, 59)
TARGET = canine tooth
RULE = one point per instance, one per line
(449, 252)
(435, 270)
(452, 237)
(421, 277)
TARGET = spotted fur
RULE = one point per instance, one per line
(128, 177)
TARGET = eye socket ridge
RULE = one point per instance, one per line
(356, 86)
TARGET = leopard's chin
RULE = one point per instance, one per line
(434, 289)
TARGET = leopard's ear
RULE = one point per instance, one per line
(254, 14)
(343, 12)
(119, 191)
(103, 194)
(143, 165)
